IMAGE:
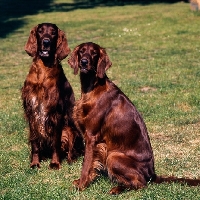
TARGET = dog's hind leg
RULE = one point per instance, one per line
(123, 170)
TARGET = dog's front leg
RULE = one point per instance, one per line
(87, 173)
(55, 161)
(35, 163)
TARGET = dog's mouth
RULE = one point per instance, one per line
(44, 53)
(83, 69)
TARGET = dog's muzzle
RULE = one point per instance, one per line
(46, 44)
(84, 64)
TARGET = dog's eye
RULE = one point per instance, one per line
(40, 31)
(81, 51)
(53, 32)
(94, 53)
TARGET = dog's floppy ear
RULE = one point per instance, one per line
(31, 45)
(103, 64)
(73, 60)
(62, 50)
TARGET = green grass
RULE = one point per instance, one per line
(155, 54)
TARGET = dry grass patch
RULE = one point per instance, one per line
(177, 150)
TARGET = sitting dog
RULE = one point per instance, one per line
(116, 138)
(48, 98)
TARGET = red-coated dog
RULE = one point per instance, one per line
(48, 98)
(116, 138)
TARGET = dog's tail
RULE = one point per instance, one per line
(173, 179)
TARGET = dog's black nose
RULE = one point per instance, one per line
(84, 62)
(46, 42)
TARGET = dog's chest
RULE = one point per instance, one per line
(81, 114)
(43, 82)
(43, 98)
(88, 113)
(42, 92)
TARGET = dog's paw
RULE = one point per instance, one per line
(54, 165)
(79, 186)
(117, 190)
(35, 165)
(76, 183)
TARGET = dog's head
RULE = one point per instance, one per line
(89, 57)
(47, 40)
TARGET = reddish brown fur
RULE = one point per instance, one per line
(116, 138)
(48, 98)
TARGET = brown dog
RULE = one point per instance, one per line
(48, 98)
(115, 134)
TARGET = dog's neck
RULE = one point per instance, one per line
(89, 81)
(48, 62)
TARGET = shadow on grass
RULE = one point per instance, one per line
(84, 4)
(12, 11)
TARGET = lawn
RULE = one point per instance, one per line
(155, 52)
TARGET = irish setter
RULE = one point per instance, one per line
(116, 138)
(48, 98)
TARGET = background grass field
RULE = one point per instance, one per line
(155, 52)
